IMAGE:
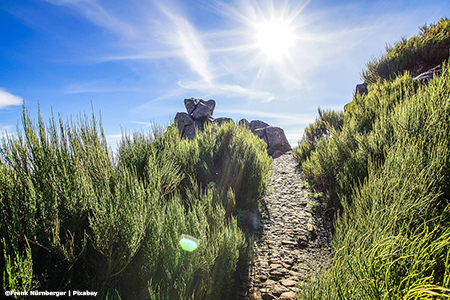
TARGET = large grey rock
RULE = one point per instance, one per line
(362, 89)
(189, 132)
(200, 122)
(255, 124)
(222, 120)
(204, 109)
(260, 132)
(191, 104)
(276, 140)
(428, 75)
(182, 120)
(244, 122)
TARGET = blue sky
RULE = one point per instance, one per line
(137, 60)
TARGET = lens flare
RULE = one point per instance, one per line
(188, 242)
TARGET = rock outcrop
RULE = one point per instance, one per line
(274, 137)
(428, 75)
(200, 112)
(362, 89)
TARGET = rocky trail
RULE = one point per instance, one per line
(294, 242)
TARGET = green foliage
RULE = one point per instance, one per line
(325, 124)
(74, 218)
(390, 167)
(18, 271)
(418, 54)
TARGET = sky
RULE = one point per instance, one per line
(135, 61)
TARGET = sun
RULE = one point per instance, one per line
(274, 38)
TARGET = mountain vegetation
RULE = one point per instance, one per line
(76, 217)
(384, 166)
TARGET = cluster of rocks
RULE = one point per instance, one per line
(424, 77)
(200, 112)
(293, 243)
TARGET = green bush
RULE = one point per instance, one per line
(393, 233)
(418, 54)
(72, 217)
(324, 125)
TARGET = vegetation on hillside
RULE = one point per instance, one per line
(418, 54)
(386, 170)
(74, 218)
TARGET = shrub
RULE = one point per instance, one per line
(327, 121)
(393, 234)
(418, 54)
(73, 217)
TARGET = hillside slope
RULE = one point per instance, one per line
(385, 167)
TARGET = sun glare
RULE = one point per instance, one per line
(274, 38)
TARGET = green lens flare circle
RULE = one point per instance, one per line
(188, 243)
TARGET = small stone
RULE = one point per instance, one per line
(288, 282)
(256, 295)
(275, 266)
(289, 243)
(275, 275)
(293, 273)
(277, 290)
(262, 278)
(287, 296)
(302, 242)
(266, 295)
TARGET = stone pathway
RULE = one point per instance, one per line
(293, 243)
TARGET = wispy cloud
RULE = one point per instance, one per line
(99, 15)
(144, 124)
(332, 45)
(280, 118)
(8, 99)
(184, 36)
(209, 90)
(96, 87)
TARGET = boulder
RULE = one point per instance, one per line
(191, 104)
(189, 132)
(244, 122)
(199, 112)
(276, 140)
(260, 132)
(200, 122)
(277, 153)
(204, 109)
(182, 120)
(428, 75)
(362, 89)
(222, 120)
(255, 124)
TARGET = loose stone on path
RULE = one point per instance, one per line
(291, 246)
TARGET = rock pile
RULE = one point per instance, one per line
(276, 140)
(200, 112)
